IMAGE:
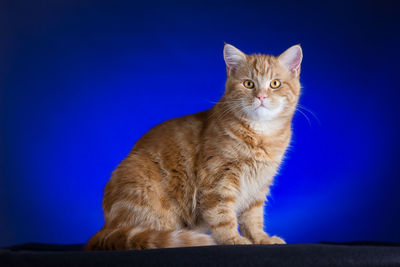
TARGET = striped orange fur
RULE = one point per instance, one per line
(208, 172)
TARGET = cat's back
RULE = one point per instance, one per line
(178, 133)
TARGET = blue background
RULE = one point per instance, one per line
(81, 81)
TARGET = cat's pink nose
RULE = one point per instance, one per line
(261, 97)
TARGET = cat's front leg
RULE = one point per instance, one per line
(251, 223)
(218, 212)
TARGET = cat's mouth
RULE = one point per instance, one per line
(269, 106)
(262, 106)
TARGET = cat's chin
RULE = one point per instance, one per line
(263, 113)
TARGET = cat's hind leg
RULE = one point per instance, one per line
(143, 221)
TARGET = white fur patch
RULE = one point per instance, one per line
(266, 127)
(267, 113)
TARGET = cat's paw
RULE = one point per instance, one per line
(268, 240)
(237, 240)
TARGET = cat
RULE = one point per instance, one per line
(209, 172)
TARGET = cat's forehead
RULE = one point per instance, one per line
(261, 65)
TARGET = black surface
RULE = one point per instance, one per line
(324, 254)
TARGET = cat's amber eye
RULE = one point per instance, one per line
(275, 84)
(248, 84)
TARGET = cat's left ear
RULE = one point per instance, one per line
(233, 58)
(291, 59)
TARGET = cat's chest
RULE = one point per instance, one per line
(254, 184)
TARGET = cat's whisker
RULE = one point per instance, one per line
(226, 112)
(308, 119)
(309, 111)
(225, 102)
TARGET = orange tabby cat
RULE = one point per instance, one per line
(210, 171)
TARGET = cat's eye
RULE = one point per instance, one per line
(275, 84)
(248, 84)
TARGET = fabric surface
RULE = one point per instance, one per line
(323, 254)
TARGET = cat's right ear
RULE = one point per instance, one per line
(291, 59)
(233, 58)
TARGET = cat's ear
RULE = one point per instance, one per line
(291, 59)
(233, 58)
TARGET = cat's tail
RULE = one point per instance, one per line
(142, 238)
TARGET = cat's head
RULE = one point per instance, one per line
(262, 87)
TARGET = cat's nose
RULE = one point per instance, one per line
(261, 97)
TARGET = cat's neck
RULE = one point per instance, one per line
(268, 127)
